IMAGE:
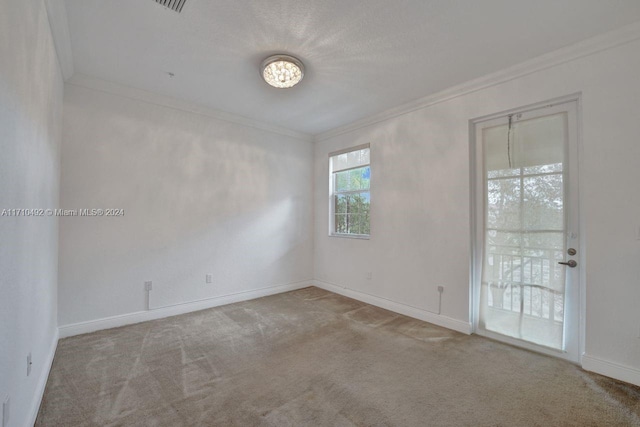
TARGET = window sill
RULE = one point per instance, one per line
(352, 236)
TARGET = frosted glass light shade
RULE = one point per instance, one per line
(282, 71)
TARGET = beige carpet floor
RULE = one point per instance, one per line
(314, 358)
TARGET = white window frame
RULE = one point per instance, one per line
(332, 193)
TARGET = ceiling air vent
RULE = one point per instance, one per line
(175, 5)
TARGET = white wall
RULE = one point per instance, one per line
(420, 201)
(30, 123)
(200, 196)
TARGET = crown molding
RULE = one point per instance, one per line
(57, 15)
(609, 40)
(94, 83)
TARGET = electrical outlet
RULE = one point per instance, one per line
(441, 289)
(148, 286)
(29, 363)
(5, 411)
(369, 275)
(208, 278)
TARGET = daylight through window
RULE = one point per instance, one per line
(350, 192)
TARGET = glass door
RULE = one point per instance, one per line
(526, 229)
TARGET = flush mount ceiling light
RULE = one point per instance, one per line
(282, 71)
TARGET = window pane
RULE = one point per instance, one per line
(503, 240)
(360, 202)
(366, 224)
(341, 181)
(340, 201)
(355, 179)
(542, 204)
(552, 241)
(359, 178)
(352, 213)
(350, 224)
(341, 223)
(503, 203)
(355, 224)
(351, 206)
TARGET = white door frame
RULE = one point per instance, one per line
(477, 217)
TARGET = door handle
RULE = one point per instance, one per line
(571, 263)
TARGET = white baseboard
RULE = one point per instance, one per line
(44, 376)
(407, 310)
(174, 310)
(611, 369)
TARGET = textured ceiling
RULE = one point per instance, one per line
(361, 57)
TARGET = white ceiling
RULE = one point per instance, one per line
(361, 57)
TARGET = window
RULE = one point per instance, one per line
(349, 192)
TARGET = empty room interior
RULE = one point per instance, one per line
(319, 213)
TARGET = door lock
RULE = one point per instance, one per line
(571, 251)
(571, 263)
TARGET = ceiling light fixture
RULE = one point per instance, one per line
(282, 71)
